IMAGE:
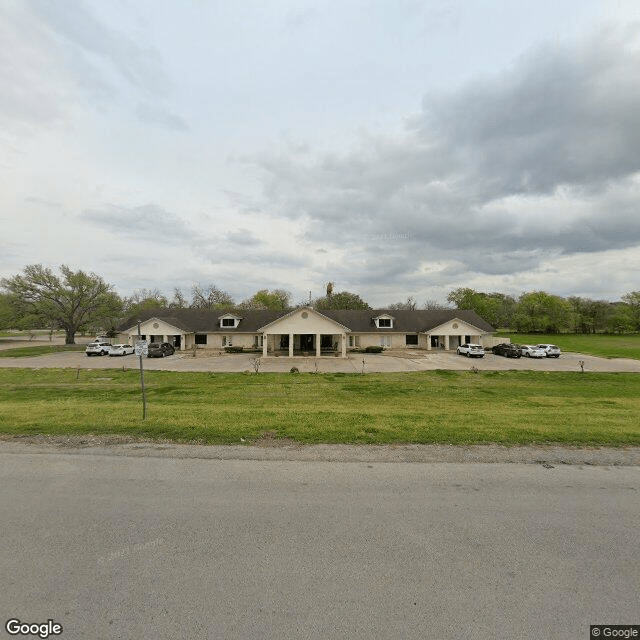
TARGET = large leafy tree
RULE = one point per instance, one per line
(277, 299)
(7, 315)
(341, 300)
(497, 309)
(541, 312)
(632, 300)
(73, 301)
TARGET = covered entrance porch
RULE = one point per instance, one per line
(304, 332)
(304, 344)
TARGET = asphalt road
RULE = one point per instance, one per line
(113, 546)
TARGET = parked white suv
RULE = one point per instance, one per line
(550, 349)
(98, 349)
(471, 350)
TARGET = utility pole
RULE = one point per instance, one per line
(141, 349)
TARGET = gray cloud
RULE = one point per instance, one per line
(536, 162)
(242, 237)
(51, 53)
(149, 223)
(142, 67)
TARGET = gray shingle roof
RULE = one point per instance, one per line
(199, 321)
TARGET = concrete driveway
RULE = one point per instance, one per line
(392, 361)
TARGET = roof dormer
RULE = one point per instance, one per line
(229, 321)
(383, 321)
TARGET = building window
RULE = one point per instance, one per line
(384, 323)
(228, 322)
(385, 341)
(411, 339)
(354, 341)
(201, 338)
(226, 341)
(258, 341)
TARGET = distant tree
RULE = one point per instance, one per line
(497, 309)
(7, 312)
(341, 300)
(277, 300)
(632, 300)
(73, 301)
(178, 301)
(541, 312)
(620, 318)
(143, 300)
(409, 305)
(434, 305)
(590, 316)
(210, 297)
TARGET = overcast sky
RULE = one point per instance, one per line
(394, 147)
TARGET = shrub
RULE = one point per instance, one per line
(233, 349)
(373, 350)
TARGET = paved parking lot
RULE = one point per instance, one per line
(414, 360)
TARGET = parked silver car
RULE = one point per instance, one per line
(121, 350)
(532, 351)
(551, 350)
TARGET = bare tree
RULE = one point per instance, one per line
(210, 297)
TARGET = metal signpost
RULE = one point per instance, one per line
(141, 348)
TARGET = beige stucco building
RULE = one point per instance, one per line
(306, 331)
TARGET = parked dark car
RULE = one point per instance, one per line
(160, 350)
(507, 350)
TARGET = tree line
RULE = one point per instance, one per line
(76, 301)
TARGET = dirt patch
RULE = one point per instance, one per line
(270, 447)
(271, 439)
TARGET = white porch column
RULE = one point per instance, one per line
(446, 343)
(428, 342)
(265, 339)
(317, 345)
(344, 345)
(291, 345)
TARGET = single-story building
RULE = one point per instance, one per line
(307, 331)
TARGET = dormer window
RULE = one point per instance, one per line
(229, 322)
(384, 322)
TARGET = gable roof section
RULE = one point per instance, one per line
(309, 310)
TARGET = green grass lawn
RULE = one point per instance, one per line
(603, 345)
(39, 350)
(509, 407)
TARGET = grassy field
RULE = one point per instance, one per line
(603, 345)
(39, 350)
(510, 407)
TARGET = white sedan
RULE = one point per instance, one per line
(531, 351)
(121, 349)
